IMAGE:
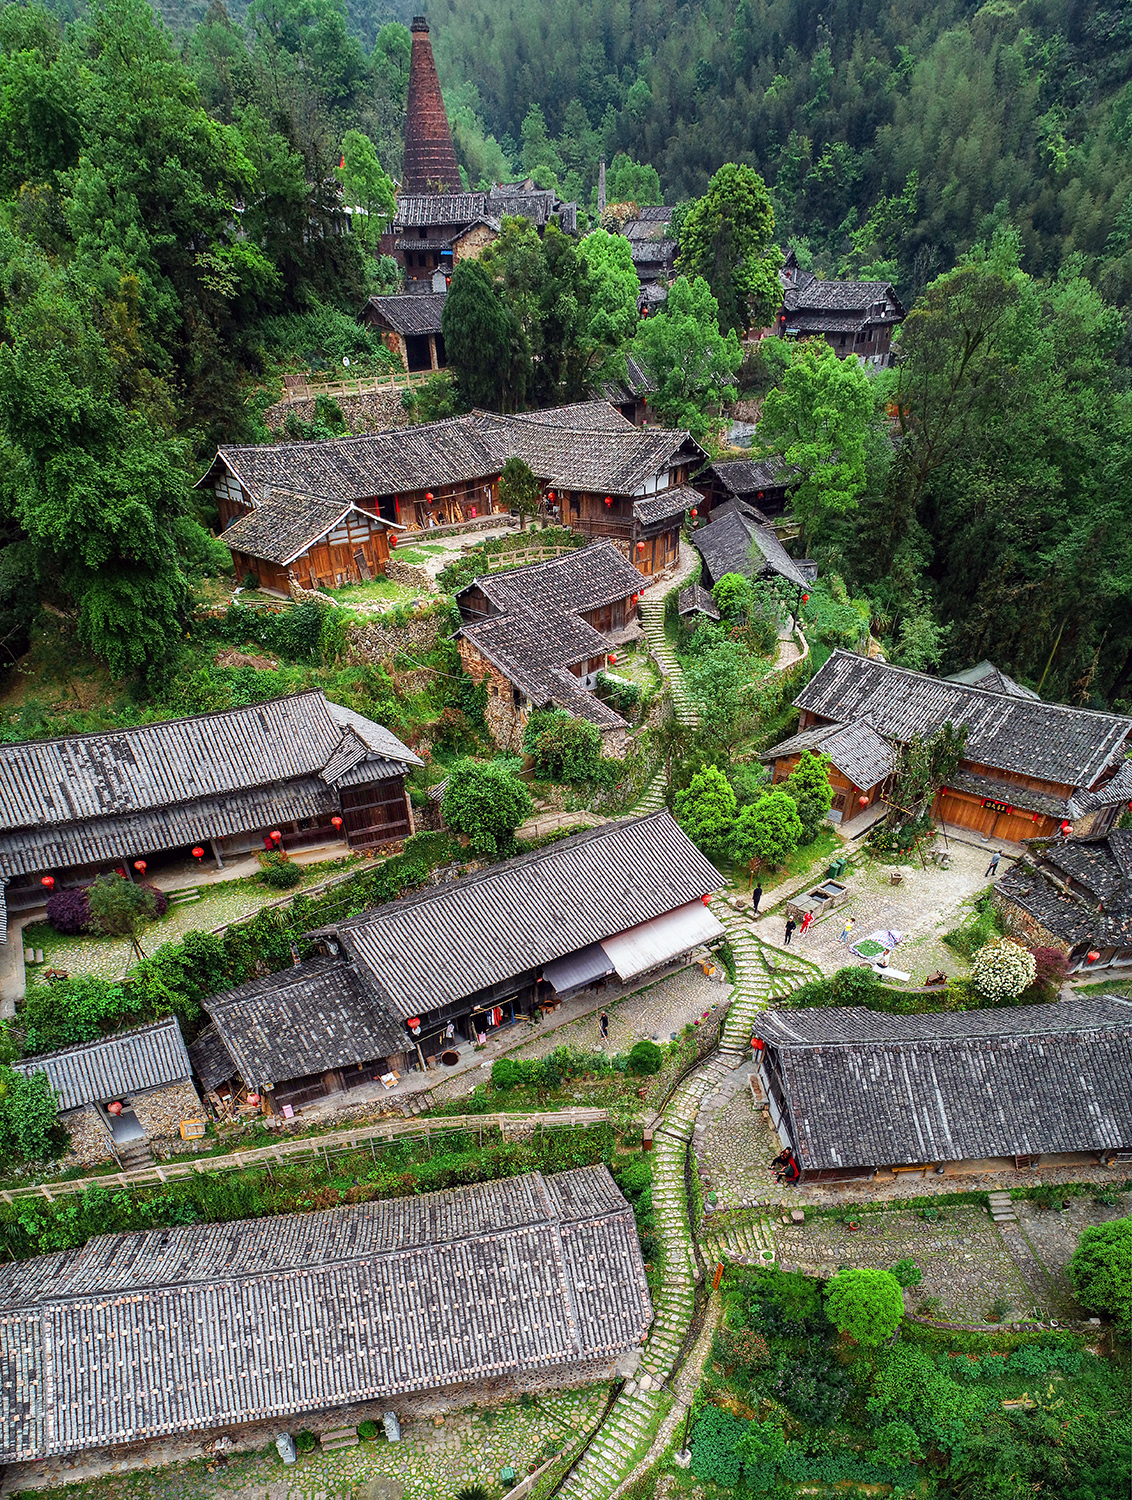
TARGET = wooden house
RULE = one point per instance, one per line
(758, 486)
(482, 952)
(854, 317)
(1074, 895)
(734, 542)
(433, 232)
(409, 327)
(217, 782)
(316, 543)
(1030, 767)
(861, 763)
(262, 1325)
(145, 1072)
(855, 1093)
(606, 478)
(303, 1034)
(539, 635)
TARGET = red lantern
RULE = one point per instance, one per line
(609, 499)
(336, 822)
(864, 801)
(114, 1109)
(760, 494)
(1093, 956)
(253, 1098)
(198, 852)
(392, 540)
(613, 658)
(805, 598)
(48, 881)
(413, 1022)
(428, 496)
(706, 899)
(694, 512)
(1066, 828)
(640, 546)
(139, 866)
(758, 1044)
(550, 495)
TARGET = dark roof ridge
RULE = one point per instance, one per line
(217, 713)
(100, 1041)
(971, 1038)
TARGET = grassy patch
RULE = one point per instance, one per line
(377, 591)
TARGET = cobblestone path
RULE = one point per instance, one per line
(652, 618)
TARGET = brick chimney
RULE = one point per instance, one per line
(430, 157)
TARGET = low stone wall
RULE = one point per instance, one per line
(412, 575)
(372, 411)
(90, 1140)
(161, 1111)
(375, 643)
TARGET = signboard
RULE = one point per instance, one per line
(998, 807)
(193, 1130)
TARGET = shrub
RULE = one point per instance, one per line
(768, 830)
(474, 1491)
(1002, 969)
(305, 1441)
(564, 748)
(486, 801)
(907, 1273)
(865, 1303)
(118, 907)
(29, 1128)
(982, 925)
(1051, 967)
(645, 1058)
(160, 900)
(809, 786)
(69, 911)
(1101, 1270)
(733, 596)
(367, 1430)
(705, 809)
(620, 695)
(279, 872)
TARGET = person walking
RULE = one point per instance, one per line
(807, 922)
(790, 926)
(846, 931)
(603, 1026)
(992, 868)
(756, 897)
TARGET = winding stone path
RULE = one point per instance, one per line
(652, 619)
(629, 1441)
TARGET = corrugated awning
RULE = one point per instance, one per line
(656, 941)
(577, 970)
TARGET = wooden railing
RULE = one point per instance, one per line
(307, 389)
(332, 1144)
(498, 561)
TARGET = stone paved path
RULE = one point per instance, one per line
(629, 1440)
(652, 618)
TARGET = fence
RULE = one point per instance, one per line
(307, 390)
(498, 561)
(325, 1146)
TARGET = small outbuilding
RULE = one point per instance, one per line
(410, 327)
(123, 1094)
(1074, 895)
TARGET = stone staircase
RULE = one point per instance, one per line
(184, 896)
(1001, 1208)
(763, 973)
(652, 799)
(747, 1243)
(652, 620)
(135, 1156)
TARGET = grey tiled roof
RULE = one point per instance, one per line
(616, 461)
(130, 1062)
(533, 651)
(581, 416)
(695, 599)
(1070, 746)
(357, 468)
(669, 503)
(986, 675)
(308, 1019)
(839, 296)
(579, 581)
(1080, 889)
(1117, 788)
(637, 381)
(411, 314)
(746, 476)
(856, 750)
(725, 545)
(182, 1330)
(286, 526)
(210, 1059)
(445, 944)
(426, 209)
(864, 1089)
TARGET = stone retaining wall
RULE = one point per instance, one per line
(373, 411)
(412, 575)
(375, 643)
(160, 1112)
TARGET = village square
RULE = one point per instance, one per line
(566, 771)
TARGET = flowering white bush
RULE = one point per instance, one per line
(1002, 969)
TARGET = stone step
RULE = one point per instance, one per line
(341, 1437)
